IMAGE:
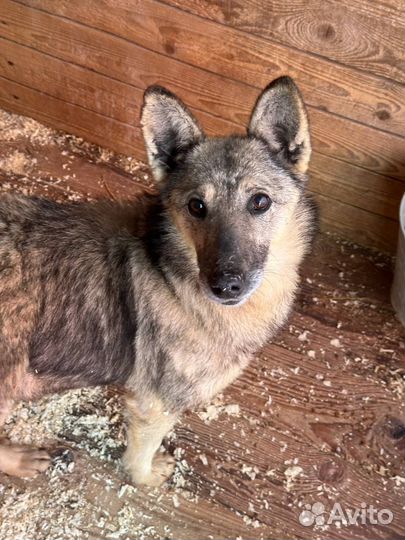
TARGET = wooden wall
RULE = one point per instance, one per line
(82, 65)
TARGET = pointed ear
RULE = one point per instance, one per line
(168, 128)
(280, 119)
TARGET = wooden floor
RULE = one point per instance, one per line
(317, 417)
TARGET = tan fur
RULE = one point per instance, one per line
(179, 221)
(302, 139)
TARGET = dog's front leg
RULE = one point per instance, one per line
(146, 430)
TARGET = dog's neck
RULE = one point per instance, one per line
(173, 258)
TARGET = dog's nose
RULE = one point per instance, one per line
(227, 286)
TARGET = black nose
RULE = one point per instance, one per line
(227, 286)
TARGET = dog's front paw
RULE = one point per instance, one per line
(162, 469)
(23, 461)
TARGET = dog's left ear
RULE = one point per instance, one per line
(169, 130)
(280, 119)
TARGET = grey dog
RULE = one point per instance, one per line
(168, 297)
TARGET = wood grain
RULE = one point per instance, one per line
(332, 136)
(69, 117)
(361, 34)
(70, 82)
(357, 224)
(358, 187)
(240, 56)
(334, 179)
(360, 145)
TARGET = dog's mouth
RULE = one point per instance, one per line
(229, 303)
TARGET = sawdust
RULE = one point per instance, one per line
(15, 127)
(217, 408)
(15, 163)
(291, 473)
(65, 502)
(89, 418)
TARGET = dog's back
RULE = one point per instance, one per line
(66, 294)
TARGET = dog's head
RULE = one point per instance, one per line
(229, 197)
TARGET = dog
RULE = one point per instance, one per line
(168, 297)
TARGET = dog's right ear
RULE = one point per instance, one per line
(279, 118)
(169, 130)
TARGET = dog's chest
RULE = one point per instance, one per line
(208, 370)
(210, 358)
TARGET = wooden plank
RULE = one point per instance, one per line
(354, 223)
(88, 89)
(365, 35)
(93, 126)
(74, 119)
(98, 96)
(240, 56)
(77, 86)
(359, 145)
(70, 177)
(361, 226)
(121, 59)
(70, 82)
(357, 187)
(351, 142)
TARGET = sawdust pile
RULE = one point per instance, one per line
(14, 127)
(15, 163)
(89, 418)
(85, 493)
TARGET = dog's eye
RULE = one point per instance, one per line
(197, 208)
(260, 203)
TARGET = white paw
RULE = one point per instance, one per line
(162, 469)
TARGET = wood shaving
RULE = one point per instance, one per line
(291, 473)
(15, 163)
